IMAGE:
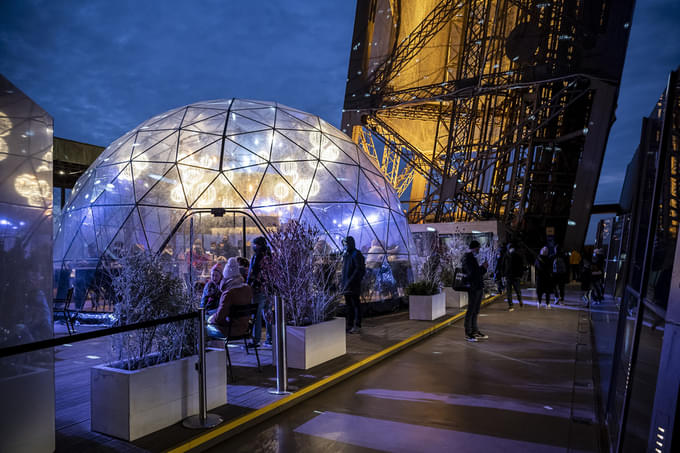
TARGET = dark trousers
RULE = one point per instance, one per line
(598, 289)
(353, 304)
(560, 281)
(474, 304)
(540, 293)
(575, 272)
(513, 283)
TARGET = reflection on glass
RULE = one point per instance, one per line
(25, 272)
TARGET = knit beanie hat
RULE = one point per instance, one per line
(231, 270)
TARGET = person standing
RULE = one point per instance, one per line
(597, 276)
(259, 294)
(560, 275)
(353, 270)
(474, 278)
(514, 269)
(544, 283)
(499, 269)
(584, 274)
(575, 264)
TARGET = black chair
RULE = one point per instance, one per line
(225, 334)
(62, 306)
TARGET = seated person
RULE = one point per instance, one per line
(234, 292)
(243, 266)
(375, 255)
(211, 290)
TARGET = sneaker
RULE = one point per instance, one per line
(511, 308)
(470, 338)
(355, 330)
(480, 336)
(547, 306)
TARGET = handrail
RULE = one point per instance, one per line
(52, 342)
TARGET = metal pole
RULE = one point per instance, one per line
(245, 249)
(191, 257)
(281, 361)
(203, 419)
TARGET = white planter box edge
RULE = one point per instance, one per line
(427, 308)
(309, 346)
(455, 299)
(132, 404)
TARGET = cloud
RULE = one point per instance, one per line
(101, 68)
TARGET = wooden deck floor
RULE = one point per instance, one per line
(248, 392)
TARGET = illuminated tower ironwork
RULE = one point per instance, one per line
(489, 108)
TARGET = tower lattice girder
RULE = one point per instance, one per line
(485, 108)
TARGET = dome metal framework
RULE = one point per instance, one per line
(266, 160)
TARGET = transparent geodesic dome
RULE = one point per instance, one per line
(262, 161)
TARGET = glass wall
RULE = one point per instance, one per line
(26, 380)
(645, 378)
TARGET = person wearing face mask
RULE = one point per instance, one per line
(597, 276)
(353, 270)
(514, 269)
(474, 278)
(544, 281)
(259, 294)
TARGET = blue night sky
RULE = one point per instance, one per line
(101, 67)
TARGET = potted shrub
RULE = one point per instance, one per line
(425, 300)
(302, 271)
(152, 381)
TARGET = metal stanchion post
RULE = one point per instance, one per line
(203, 419)
(281, 362)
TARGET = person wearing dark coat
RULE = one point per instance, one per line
(544, 282)
(499, 273)
(514, 269)
(260, 298)
(474, 279)
(597, 267)
(585, 277)
(560, 275)
(353, 269)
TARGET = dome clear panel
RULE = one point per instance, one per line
(262, 162)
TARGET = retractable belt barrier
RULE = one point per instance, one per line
(52, 342)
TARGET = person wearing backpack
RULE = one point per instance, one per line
(560, 274)
(353, 270)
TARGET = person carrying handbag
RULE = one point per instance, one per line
(474, 279)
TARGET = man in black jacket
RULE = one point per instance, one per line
(474, 277)
(514, 269)
(353, 270)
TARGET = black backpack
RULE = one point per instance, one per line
(362, 263)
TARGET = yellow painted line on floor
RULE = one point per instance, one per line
(218, 431)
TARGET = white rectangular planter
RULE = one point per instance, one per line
(132, 404)
(309, 346)
(427, 308)
(455, 299)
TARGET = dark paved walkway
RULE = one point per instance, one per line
(248, 392)
(528, 388)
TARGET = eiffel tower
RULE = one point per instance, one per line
(489, 109)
